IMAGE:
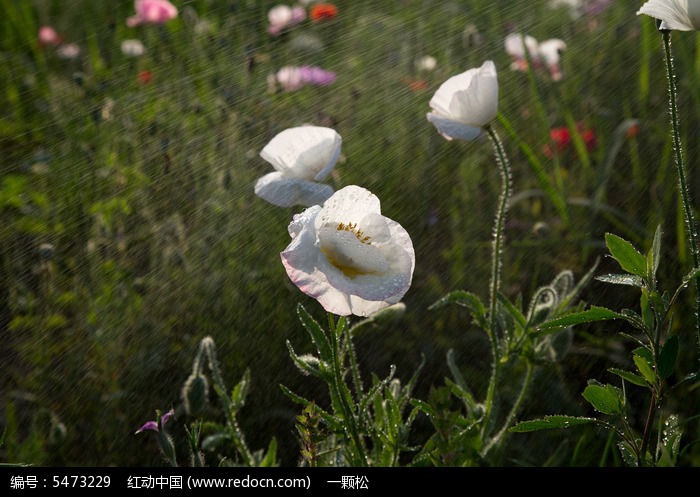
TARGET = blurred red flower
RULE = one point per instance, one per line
(145, 77)
(323, 11)
(561, 139)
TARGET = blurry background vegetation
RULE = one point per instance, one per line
(129, 229)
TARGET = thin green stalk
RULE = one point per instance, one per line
(524, 387)
(234, 429)
(348, 415)
(680, 165)
(496, 265)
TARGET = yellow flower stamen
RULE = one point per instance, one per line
(352, 227)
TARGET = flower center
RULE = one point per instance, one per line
(352, 228)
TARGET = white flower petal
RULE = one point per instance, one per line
(283, 191)
(681, 15)
(307, 152)
(351, 207)
(350, 267)
(468, 100)
(450, 129)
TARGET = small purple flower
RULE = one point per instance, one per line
(316, 76)
(292, 78)
(153, 425)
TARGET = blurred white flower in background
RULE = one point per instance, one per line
(426, 63)
(133, 48)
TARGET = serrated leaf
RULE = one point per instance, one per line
(590, 315)
(550, 423)
(316, 332)
(621, 279)
(603, 398)
(332, 421)
(626, 255)
(668, 356)
(629, 376)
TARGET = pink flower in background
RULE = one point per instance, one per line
(282, 17)
(48, 37)
(292, 78)
(152, 12)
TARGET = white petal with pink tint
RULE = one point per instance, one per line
(348, 256)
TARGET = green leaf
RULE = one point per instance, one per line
(464, 299)
(621, 279)
(626, 255)
(551, 422)
(645, 368)
(592, 314)
(604, 398)
(668, 356)
(629, 376)
(654, 255)
(240, 391)
(270, 459)
(671, 441)
(316, 332)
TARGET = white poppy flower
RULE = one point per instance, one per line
(681, 15)
(465, 103)
(301, 156)
(348, 256)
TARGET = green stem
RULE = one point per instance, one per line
(680, 165)
(496, 265)
(524, 387)
(348, 415)
(235, 431)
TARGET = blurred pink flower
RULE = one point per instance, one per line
(48, 37)
(292, 78)
(282, 17)
(152, 12)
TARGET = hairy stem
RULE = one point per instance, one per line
(682, 175)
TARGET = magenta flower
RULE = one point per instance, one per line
(152, 12)
(153, 425)
(282, 17)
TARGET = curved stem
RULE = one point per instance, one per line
(496, 265)
(682, 175)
